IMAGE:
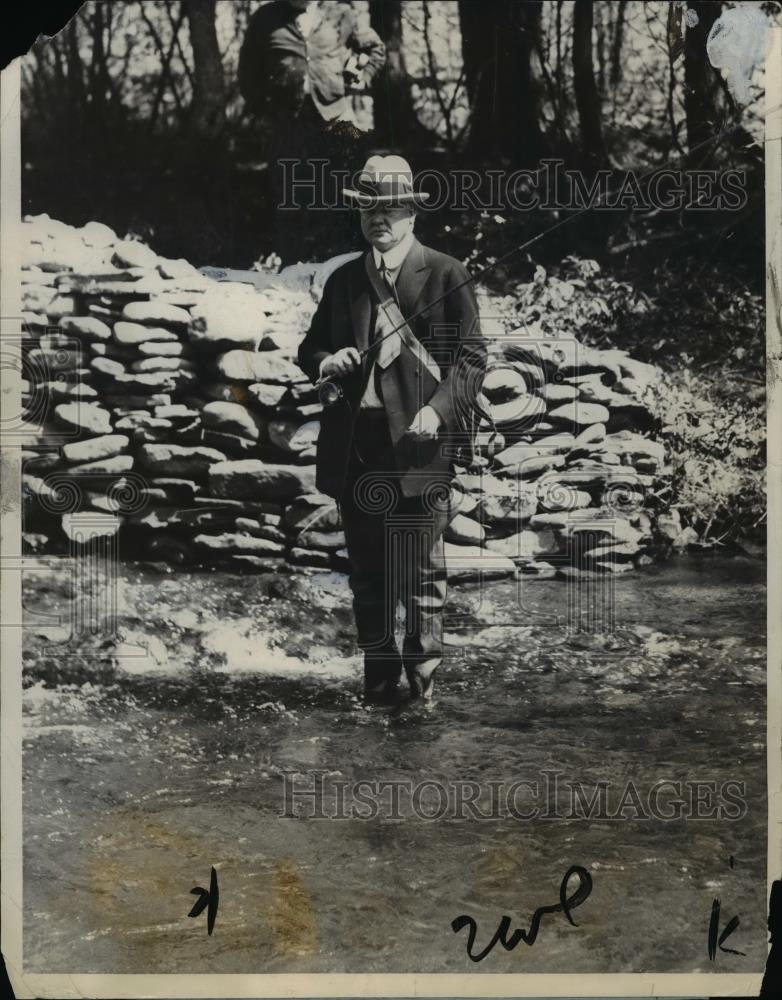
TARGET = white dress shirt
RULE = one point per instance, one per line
(393, 260)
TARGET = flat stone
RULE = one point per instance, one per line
(327, 540)
(237, 542)
(556, 496)
(153, 381)
(231, 418)
(61, 306)
(609, 531)
(509, 509)
(161, 348)
(94, 449)
(292, 437)
(525, 544)
(629, 387)
(591, 473)
(177, 490)
(503, 383)
(597, 394)
(309, 557)
(554, 393)
(484, 483)
(86, 417)
(64, 392)
(561, 520)
(253, 526)
(232, 445)
(131, 253)
(461, 502)
(537, 569)
(131, 334)
(533, 466)
(469, 562)
(116, 465)
(578, 415)
(267, 395)
(462, 530)
(86, 326)
(177, 412)
(517, 453)
(108, 367)
(252, 479)
(621, 552)
(518, 412)
(228, 315)
(593, 434)
(286, 341)
(641, 372)
(171, 460)
(257, 564)
(159, 364)
(176, 268)
(156, 314)
(609, 566)
(310, 410)
(302, 515)
(97, 234)
(261, 366)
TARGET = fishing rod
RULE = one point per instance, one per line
(332, 391)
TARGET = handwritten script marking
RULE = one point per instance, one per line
(210, 898)
(565, 905)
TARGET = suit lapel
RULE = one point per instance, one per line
(360, 304)
(413, 276)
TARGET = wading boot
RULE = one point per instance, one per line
(381, 681)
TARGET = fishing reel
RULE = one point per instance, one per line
(329, 392)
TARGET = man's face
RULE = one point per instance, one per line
(384, 226)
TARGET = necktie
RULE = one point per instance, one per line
(385, 274)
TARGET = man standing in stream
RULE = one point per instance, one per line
(397, 336)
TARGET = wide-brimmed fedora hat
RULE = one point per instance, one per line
(385, 180)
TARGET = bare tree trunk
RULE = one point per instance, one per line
(616, 46)
(587, 96)
(701, 84)
(392, 98)
(500, 45)
(207, 112)
(601, 52)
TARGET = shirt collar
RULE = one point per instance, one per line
(395, 257)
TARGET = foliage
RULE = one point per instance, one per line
(716, 443)
(710, 399)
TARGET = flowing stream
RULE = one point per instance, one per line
(168, 748)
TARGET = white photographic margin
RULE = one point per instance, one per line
(352, 985)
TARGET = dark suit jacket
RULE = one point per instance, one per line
(444, 318)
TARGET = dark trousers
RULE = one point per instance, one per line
(395, 551)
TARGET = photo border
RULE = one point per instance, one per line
(359, 984)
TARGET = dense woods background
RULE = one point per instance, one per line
(132, 116)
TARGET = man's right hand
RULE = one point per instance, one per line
(340, 364)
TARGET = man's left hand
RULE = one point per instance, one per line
(425, 425)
